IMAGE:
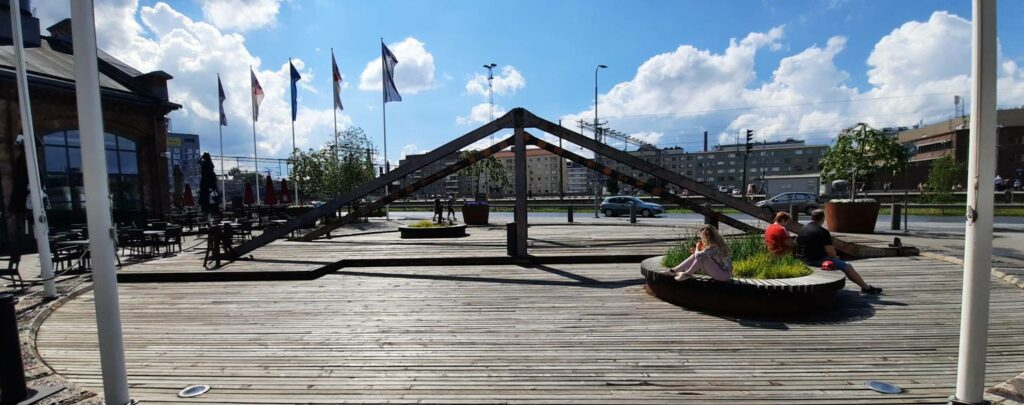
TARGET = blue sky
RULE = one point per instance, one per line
(553, 47)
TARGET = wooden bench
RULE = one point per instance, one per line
(744, 296)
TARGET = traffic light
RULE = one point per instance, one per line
(750, 140)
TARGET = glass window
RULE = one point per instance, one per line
(63, 158)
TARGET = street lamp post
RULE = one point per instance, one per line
(597, 137)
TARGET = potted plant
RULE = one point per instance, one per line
(486, 173)
(858, 153)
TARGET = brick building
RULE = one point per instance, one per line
(952, 137)
(135, 107)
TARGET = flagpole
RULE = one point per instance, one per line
(335, 109)
(255, 156)
(293, 136)
(42, 228)
(384, 110)
(220, 134)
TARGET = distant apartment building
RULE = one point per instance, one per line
(578, 180)
(723, 165)
(542, 168)
(183, 151)
(951, 137)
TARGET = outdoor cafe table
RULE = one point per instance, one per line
(82, 244)
(154, 236)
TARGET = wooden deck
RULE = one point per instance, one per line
(549, 334)
(382, 245)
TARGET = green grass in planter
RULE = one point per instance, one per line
(426, 223)
(750, 258)
(765, 265)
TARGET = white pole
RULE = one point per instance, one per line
(101, 238)
(255, 156)
(970, 377)
(224, 173)
(42, 230)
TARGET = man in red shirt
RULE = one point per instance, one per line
(776, 238)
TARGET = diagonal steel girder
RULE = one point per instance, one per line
(331, 206)
(404, 191)
(654, 170)
(635, 182)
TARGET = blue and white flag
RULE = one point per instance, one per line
(337, 83)
(295, 79)
(220, 94)
(388, 63)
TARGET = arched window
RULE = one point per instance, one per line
(63, 156)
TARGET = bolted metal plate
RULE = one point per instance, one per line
(193, 391)
(883, 387)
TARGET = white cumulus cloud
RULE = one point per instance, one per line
(241, 15)
(508, 81)
(413, 74)
(480, 114)
(159, 37)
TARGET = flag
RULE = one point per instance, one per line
(257, 96)
(220, 93)
(295, 97)
(337, 83)
(388, 65)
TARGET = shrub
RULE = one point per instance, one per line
(750, 258)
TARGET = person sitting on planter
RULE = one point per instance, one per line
(816, 242)
(776, 238)
(711, 255)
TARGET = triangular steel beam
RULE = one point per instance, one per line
(407, 190)
(311, 216)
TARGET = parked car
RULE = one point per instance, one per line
(804, 202)
(736, 191)
(723, 189)
(619, 205)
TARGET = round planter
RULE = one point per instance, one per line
(851, 217)
(456, 231)
(475, 214)
(743, 296)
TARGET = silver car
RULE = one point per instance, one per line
(804, 202)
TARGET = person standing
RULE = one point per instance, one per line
(451, 207)
(438, 210)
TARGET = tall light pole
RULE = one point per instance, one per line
(597, 137)
(490, 92)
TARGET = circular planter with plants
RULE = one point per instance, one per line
(429, 229)
(763, 285)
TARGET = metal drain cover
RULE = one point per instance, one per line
(193, 391)
(883, 387)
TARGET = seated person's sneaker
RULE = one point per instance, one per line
(871, 290)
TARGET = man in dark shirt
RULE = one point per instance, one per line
(816, 242)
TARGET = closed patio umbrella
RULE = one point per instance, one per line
(179, 177)
(188, 199)
(249, 198)
(268, 196)
(285, 195)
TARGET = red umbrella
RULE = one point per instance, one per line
(268, 193)
(249, 198)
(188, 200)
(285, 197)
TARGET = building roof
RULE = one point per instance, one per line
(53, 63)
(1013, 117)
(507, 154)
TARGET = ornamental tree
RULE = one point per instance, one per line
(859, 152)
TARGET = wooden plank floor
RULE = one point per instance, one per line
(548, 240)
(509, 334)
